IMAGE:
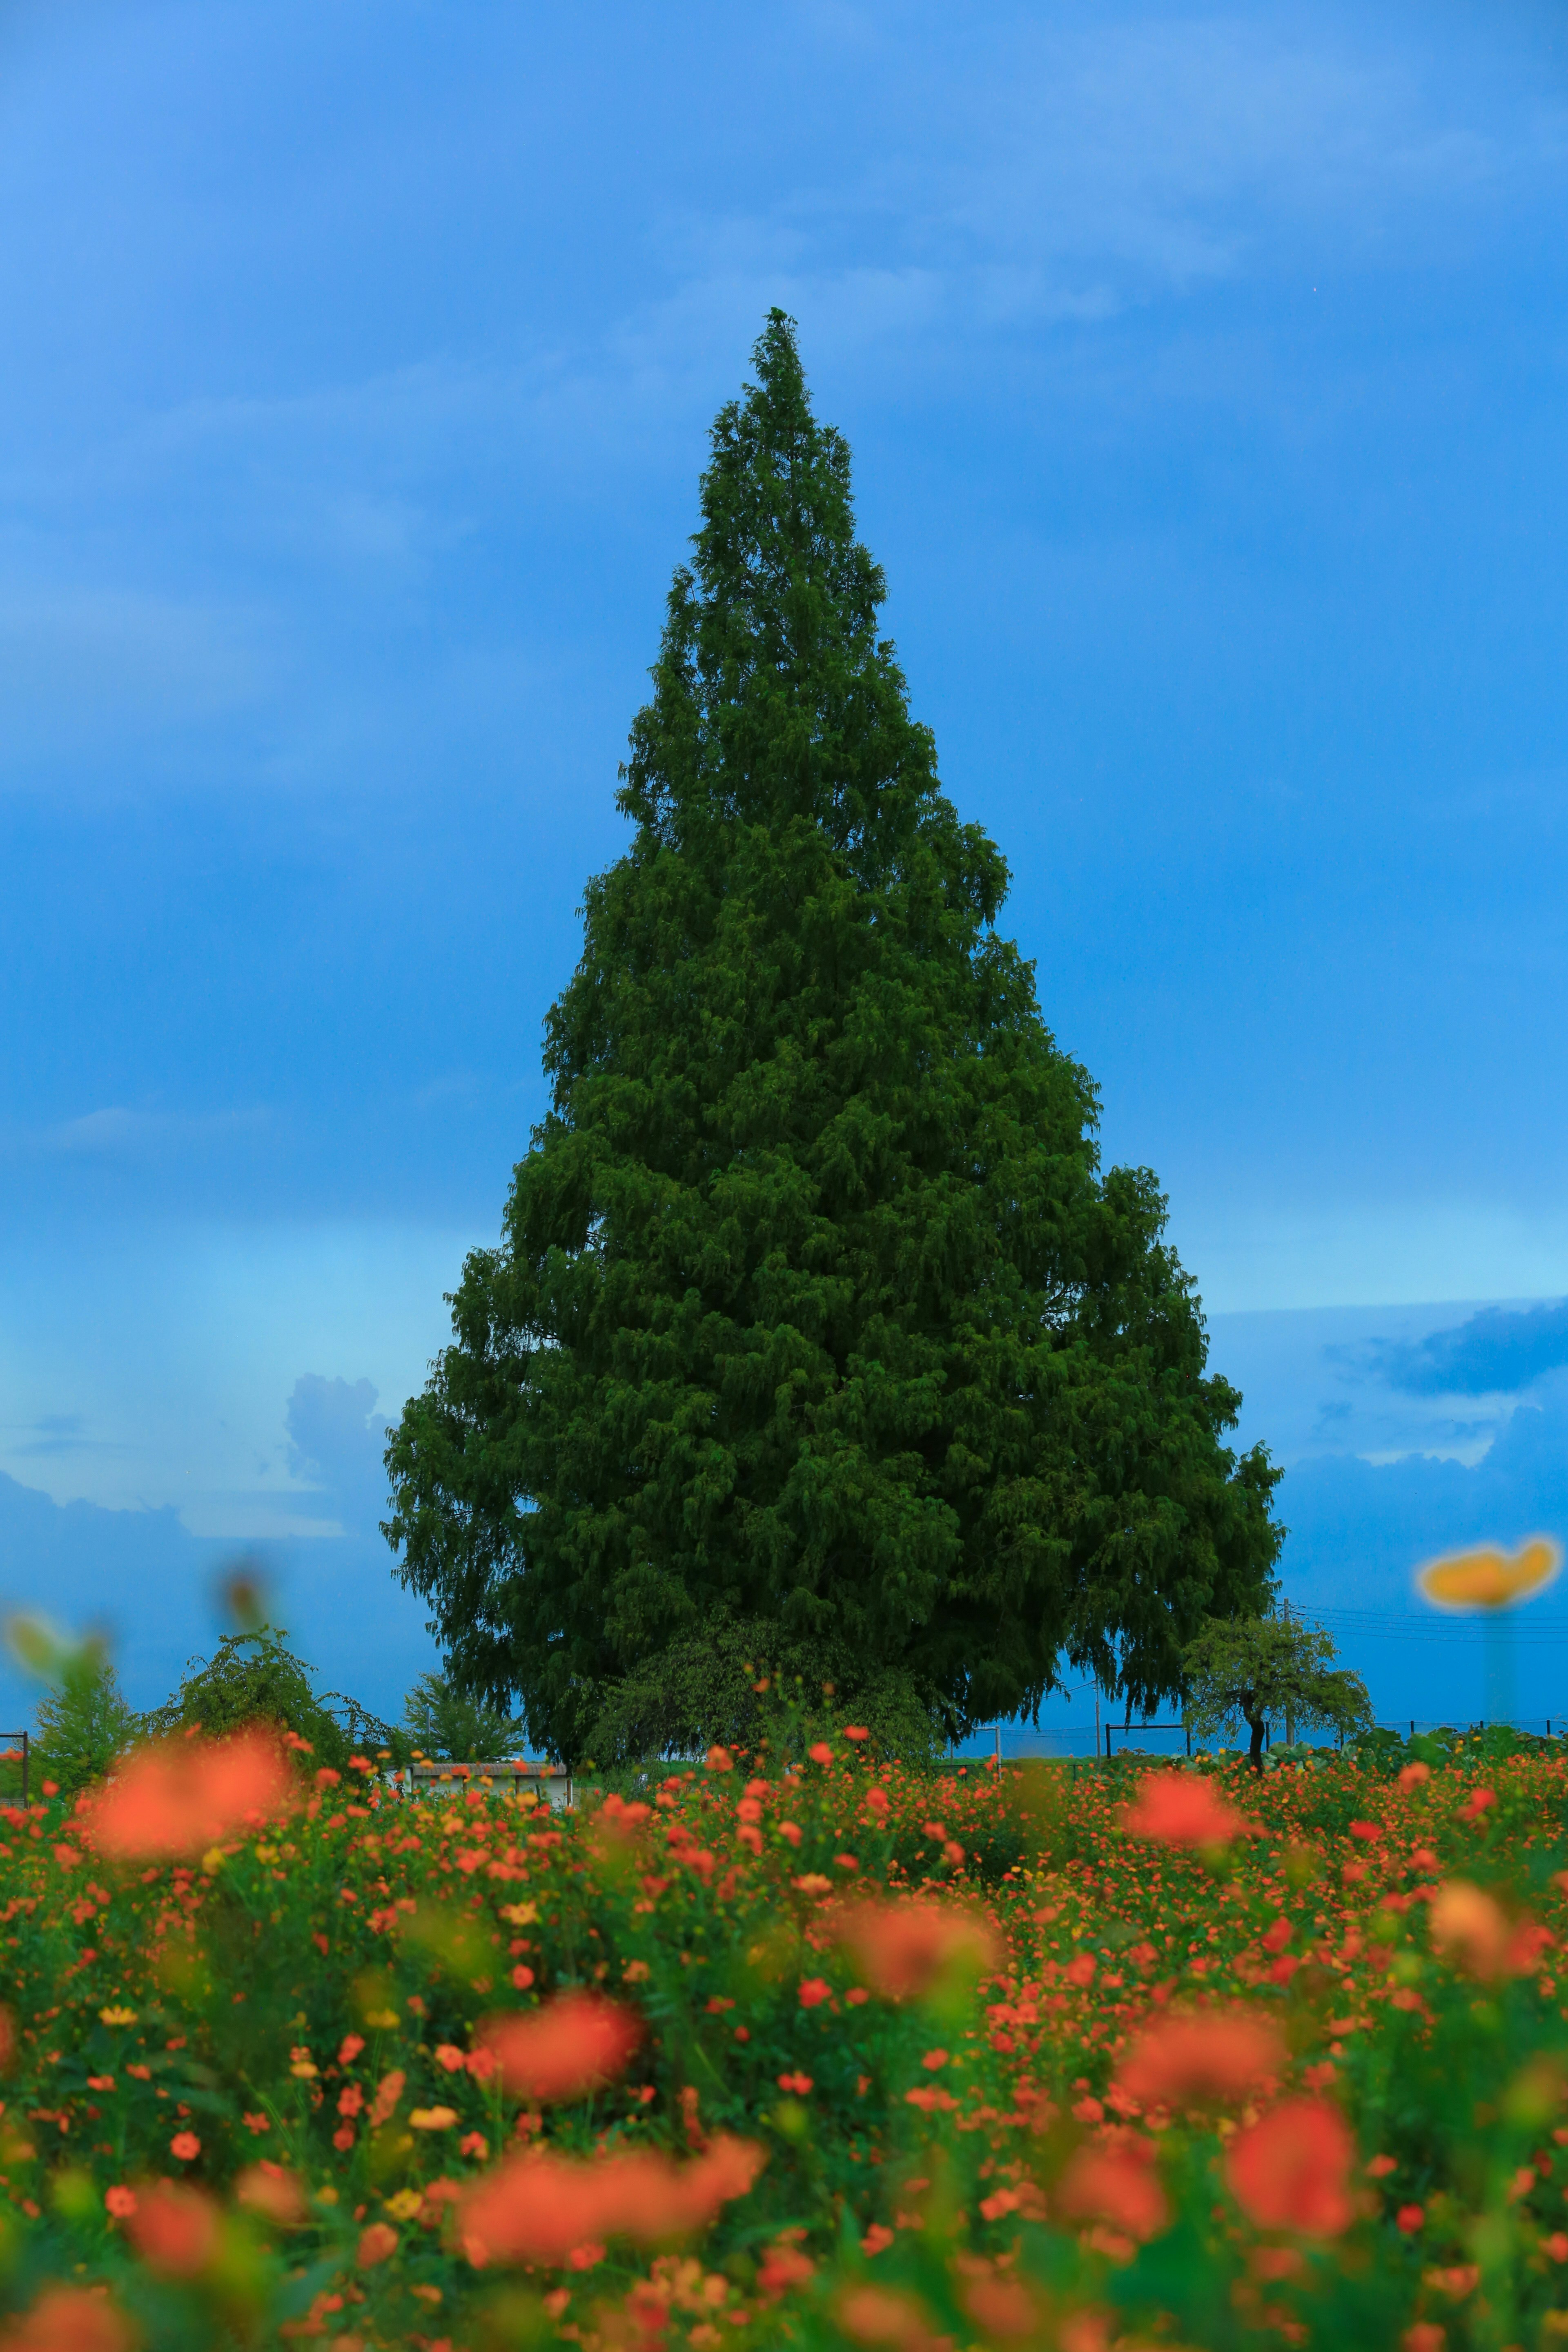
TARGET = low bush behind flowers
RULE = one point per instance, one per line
(832, 2055)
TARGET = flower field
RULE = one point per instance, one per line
(837, 2055)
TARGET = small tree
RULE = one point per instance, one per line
(1248, 1669)
(441, 1722)
(253, 1677)
(84, 1722)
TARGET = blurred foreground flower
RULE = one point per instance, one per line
(905, 1949)
(1116, 2183)
(1179, 1809)
(175, 2229)
(1490, 1578)
(564, 2049)
(540, 2209)
(1290, 2171)
(183, 1795)
(1470, 1928)
(1188, 2060)
(68, 2319)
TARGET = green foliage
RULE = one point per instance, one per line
(441, 1721)
(744, 1682)
(84, 1723)
(814, 1304)
(253, 1677)
(1260, 1670)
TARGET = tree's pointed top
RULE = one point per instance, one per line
(773, 695)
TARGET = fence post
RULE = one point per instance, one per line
(24, 1769)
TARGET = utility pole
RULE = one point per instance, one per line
(1289, 1716)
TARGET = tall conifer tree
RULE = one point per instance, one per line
(813, 1306)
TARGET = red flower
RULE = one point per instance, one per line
(175, 2229)
(1188, 2060)
(814, 1992)
(119, 2202)
(569, 2046)
(1179, 1809)
(798, 2083)
(907, 1947)
(1116, 2183)
(539, 2208)
(375, 2244)
(1411, 2218)
(185, 2146)
(1291, 2169)
(69, 2319)
(186, 1794)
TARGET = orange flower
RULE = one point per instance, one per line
(385, 2105)
(814, 1992)
(119, 2202)
(537, 2208)
(798, 2083)
(1116, 2182)
(68, 2319)
(877, 2314)
(719, 1759)
(567, 2047)
(1291, 2169)
(820, 1752)
(1490, 1578)
(1414, 1776)
(857, 1732)
(1179, 1809)
(185, 2146)
(375, 2244)
(1185, 2061)
(1474, 1930)
(266, 2188)
(175, 2229)
(183, 1795)
(906, 1948)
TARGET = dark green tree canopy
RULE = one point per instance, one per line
(812, 1305)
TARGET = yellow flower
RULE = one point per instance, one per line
(118, 2016)
(406, 2204)
(521, 1915)
(1490, 1579)
(433, 2119)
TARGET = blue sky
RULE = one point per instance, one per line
(1204, 372)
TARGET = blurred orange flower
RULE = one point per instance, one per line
(181, 1796)
(1290, 2171)
(877, 2314)
(68, 2319)
(1179, 1809)
(1470, 1928)
(1116, 2183)
(904, 1949)
(266, 2188)
(538, 2207)
(1185, 2061)
(567, 2047)
(1490, 1578)
(175, 2229)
